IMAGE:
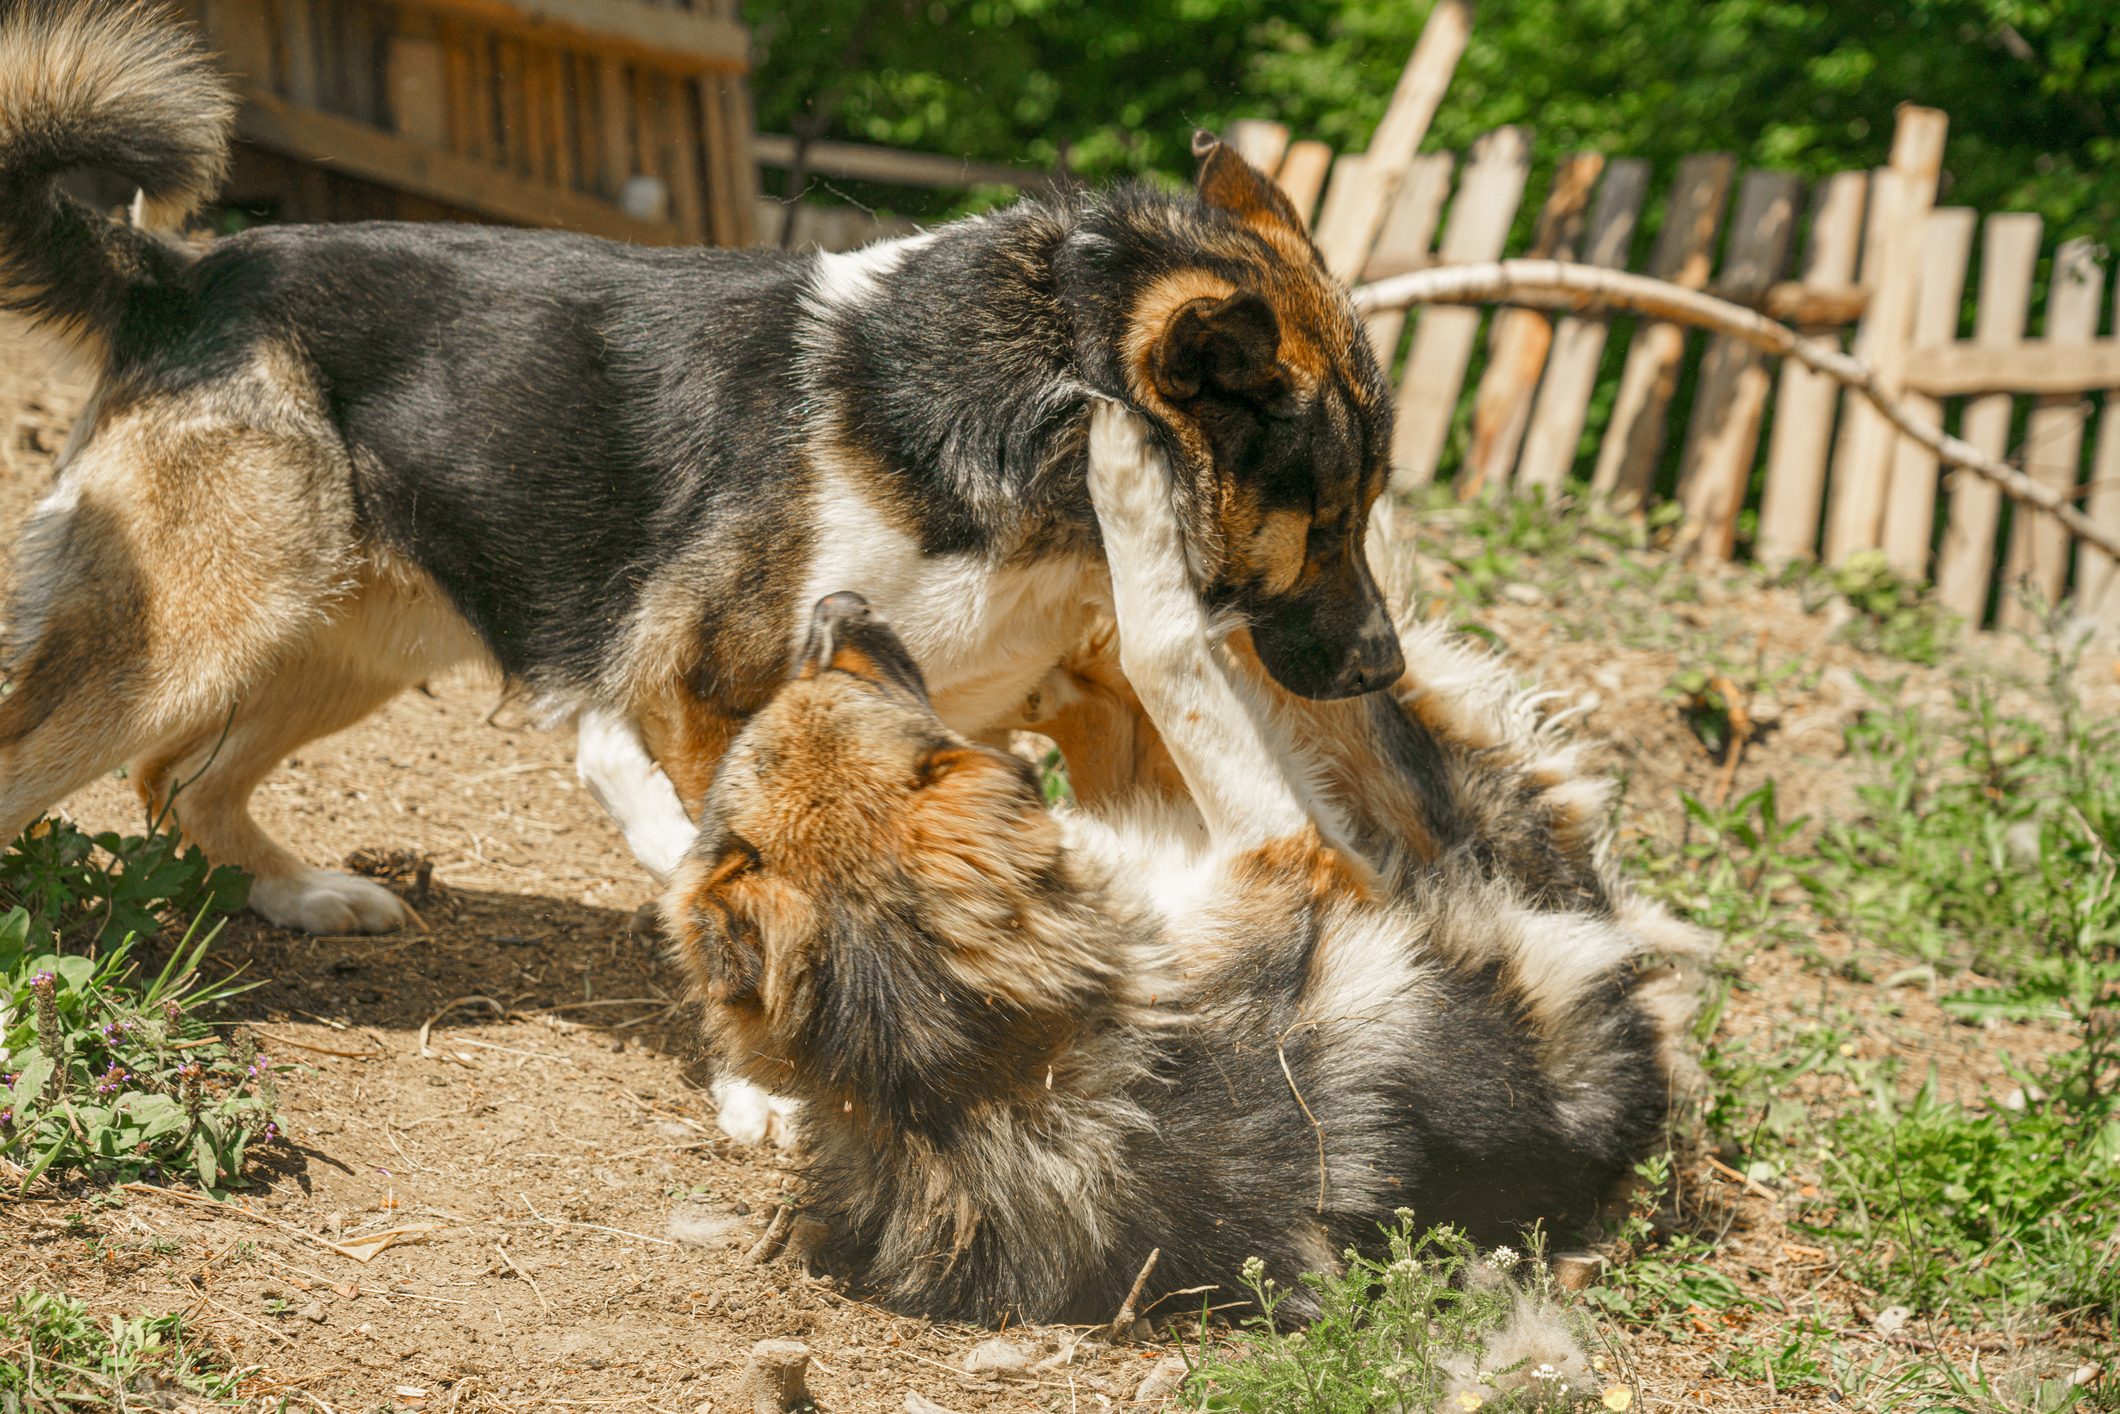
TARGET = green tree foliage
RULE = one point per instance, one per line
(1805, 85)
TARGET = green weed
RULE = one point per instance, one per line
(112, 1074)
(1985, 841)
(1893, 616)
(54, 1355)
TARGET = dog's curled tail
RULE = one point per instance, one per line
(113, 85)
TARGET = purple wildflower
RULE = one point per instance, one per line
(113, 1080)
(271, 1133)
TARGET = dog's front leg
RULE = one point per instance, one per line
(1167, 649)
(611, 759)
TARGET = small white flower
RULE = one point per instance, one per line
(1253, 1270)
(1504, 1259)
(1545, 1372)
(1404, 1266)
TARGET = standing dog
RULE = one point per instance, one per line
(1032, 1045)
(325, 463)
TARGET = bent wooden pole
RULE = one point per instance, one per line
(1557, 284)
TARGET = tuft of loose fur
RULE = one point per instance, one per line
(1536, 1352)
(112, 85)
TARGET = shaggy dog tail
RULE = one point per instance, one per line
(110, 85)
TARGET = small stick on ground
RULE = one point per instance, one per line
(1741, 732)
(535, 1290)
(427, 1026)
(769, 1243)
(1122, 1325)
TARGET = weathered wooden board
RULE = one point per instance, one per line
(1521, 338)
(1715, 466)
(1634, 440)
(1910, 506)
(2038, 558)
(1579, 343)
(2008, 255)
(1901, 204)
(1444, 337)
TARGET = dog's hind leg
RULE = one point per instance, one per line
(213, 773)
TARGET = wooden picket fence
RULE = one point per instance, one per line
(624, 118)
(1878, 258)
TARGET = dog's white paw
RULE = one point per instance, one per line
(748, 1114)
(321, 901)
(613, 762)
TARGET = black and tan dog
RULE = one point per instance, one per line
(325, 463)
(1033, 1045)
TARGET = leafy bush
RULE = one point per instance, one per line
(58, 1357)
(107, 1077)
(87, 888)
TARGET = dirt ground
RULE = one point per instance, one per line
(516, 1090)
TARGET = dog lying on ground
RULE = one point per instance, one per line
(1032, 1045)
(326, 463)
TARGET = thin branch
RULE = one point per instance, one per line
(1580, 288)
(1122, 1325)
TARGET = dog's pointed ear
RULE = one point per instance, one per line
(1229, 345)
(1229, 183)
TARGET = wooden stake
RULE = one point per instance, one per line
(1794, 499)
(1404, 244)
(1578, 344)
(1901, 203)
(1910, 505)
(1716, 466)
(1443, 342)
(1345, 240)
(1521, 338)
(2009, 251)
(1634, 440)
(2053, 439)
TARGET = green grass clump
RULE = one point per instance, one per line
(111, 1074)
(1995, 1208)
(1431, 1323)
(1987, 840)
(1893, 616)
(54, 1355)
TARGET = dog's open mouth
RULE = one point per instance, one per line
(848, 636)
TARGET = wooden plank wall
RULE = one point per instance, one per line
(625, 118)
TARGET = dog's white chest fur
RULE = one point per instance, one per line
(983, 635)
